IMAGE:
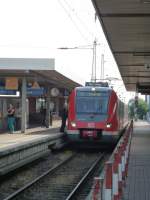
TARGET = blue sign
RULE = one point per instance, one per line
(35, 92)
(7, 92)
(30, 91)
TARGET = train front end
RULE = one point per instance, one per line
(92, 115)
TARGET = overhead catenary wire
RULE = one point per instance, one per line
(90, 46)
(73, 21)
(84, 25)
(72, 13)
(94, 58)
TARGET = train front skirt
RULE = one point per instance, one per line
(92, 135)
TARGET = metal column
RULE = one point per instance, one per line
(23, 103)
(48, 109)
(57, 106)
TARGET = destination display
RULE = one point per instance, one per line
(91, 93)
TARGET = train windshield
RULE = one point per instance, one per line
(92, 102)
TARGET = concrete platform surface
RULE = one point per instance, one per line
(138, 181)
(8, 140)
(18, 149)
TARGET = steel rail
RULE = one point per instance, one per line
(84, 178)
(19, 191)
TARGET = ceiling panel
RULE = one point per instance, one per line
(126, 25)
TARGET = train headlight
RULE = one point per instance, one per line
(73, 124)
(108, 125)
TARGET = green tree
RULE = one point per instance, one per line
(142, 109)
(131, 106)
(138, 109)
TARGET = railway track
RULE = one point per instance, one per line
(63, 181)
(22, 176)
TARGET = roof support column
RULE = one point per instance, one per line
(57, 105)
(48, 108)
(23, 103)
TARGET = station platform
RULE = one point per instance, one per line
(138, 180)
(7, 140)
(18, 149)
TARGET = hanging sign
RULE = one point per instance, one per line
(35, 85)
(7, 92)
(35, 92)
(11, 83)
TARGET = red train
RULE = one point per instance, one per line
(95, 114)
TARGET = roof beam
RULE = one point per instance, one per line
(133, 83)
(122, 15)
(135, 53)
(133, 76)
(132, 65)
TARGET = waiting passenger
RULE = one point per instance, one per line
(11, 118)
(43, 115)
(64, 116)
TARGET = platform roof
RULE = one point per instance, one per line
(41, 70)
(27, 63)
(126, 25)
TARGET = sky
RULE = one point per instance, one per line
(38, 28)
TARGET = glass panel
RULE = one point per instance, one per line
(92, 105)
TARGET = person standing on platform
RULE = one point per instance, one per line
(11, 118)
(64, 116)
(43, 115)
